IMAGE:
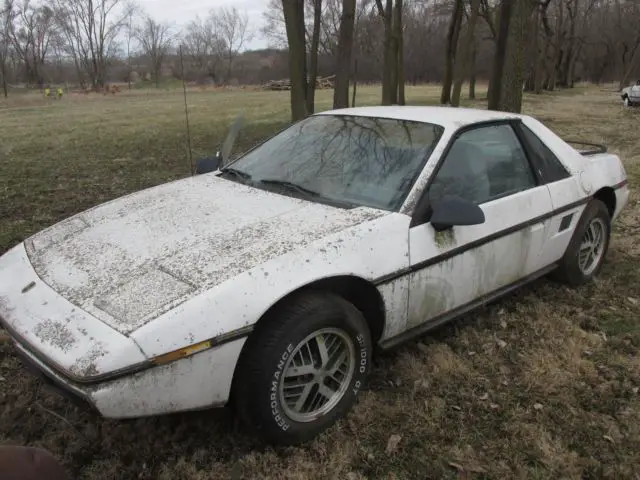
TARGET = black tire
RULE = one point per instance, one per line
(256, 387)
(569, 270)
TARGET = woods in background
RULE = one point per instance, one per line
(532, 44)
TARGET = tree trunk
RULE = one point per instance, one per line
(540, 55)
(345, 45)
(472, 74)
(388, 63)
(557, 51)
(572, 66)
(514, 72)
(293, 11)
(534, 55)
(3, 74)
(452, 45)
(635, 60)
(313, 57)
(400, 52)
(461, 67)
(355, 82)
(499, 59)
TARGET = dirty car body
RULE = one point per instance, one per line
(631, 95)
(402, 217)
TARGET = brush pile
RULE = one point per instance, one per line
(321, 83)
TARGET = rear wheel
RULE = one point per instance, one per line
(303, 368)
(587, 250)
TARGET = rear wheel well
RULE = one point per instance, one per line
(607, 196)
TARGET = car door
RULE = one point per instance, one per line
(567, 194)
(487, 165)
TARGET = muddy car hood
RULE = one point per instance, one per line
(131, 259)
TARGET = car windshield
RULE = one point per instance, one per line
(345, 159)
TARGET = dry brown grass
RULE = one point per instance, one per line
(543, 384)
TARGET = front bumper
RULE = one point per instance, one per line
(84, 358)
(197, 382)
(52, 380)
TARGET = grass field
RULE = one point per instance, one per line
(543, 385)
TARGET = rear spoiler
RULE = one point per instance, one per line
(595, 148)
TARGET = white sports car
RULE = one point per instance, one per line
(631, 95)
(266, 283)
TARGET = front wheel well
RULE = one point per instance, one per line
(607, 196)
(356, 290)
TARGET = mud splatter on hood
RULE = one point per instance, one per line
(130, 259)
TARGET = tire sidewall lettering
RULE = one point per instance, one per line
(274, 405)
(362, 363)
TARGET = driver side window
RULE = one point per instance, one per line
(483, 164)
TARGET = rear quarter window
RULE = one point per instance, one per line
(544, 159)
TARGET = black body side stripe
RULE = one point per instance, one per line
(621, 184)
(478, 243)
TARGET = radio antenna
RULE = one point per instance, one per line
(186, 112)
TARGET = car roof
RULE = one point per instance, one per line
(445, 116)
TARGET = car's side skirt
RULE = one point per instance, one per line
(451, 315)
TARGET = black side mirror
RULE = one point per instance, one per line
(450, 211)
(208, 164)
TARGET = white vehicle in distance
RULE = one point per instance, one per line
(267, 283)
(631, 95)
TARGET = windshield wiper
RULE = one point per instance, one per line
(236, 172)
(290, 186)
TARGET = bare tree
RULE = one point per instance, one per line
(204, 46)
(32, 31)
(273, 29)
(514, 73)
(452, 46)
(5, 42)
(389, 63)
(398, 32)
(90, 28)
(495, 85)
(293, 11)
(461, 67)
(155, 39)
(343, 63)
(232, 27)
(130, 34)
(313, 56)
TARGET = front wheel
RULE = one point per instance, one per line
(586, 252)
(303, 367)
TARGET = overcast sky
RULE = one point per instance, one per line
(179, 13)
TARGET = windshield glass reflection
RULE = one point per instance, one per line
(355, 160)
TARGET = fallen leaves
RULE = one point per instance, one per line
(392, 443)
